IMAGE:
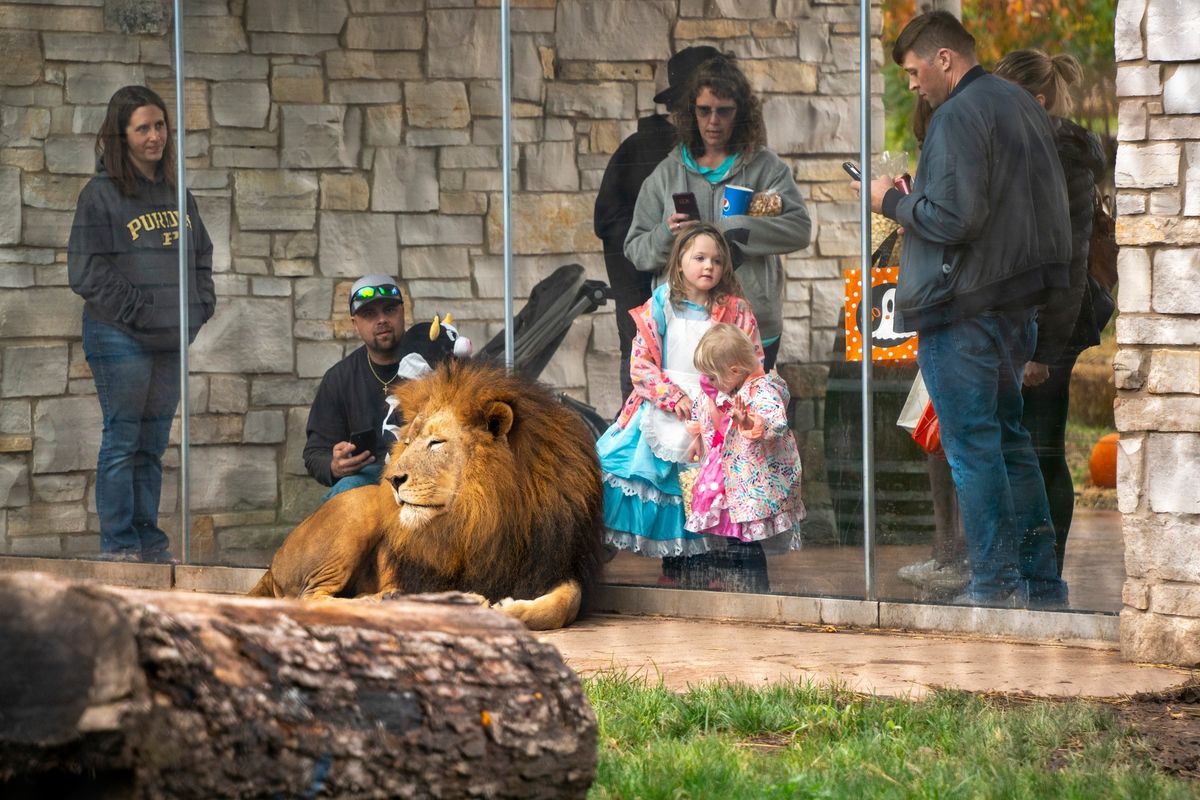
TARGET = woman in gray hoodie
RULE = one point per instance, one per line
(123, 259)
(722, 141)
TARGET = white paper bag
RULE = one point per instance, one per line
(914, 405)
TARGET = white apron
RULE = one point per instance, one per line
(663, 431)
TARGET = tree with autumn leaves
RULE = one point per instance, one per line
(1083, 28)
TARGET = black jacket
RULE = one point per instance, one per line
(122, 258)
(1066, 323)
(628, 168)
(349, 399)
(986, 226)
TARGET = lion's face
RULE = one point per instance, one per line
(426, 467)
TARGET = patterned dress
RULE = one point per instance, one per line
(749, 482)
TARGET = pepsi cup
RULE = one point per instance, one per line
(736, 200)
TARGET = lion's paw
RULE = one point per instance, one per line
(519, 610)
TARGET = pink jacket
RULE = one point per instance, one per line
(761, 469)
(645, 362)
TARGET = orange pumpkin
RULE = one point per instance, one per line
(1103, 462)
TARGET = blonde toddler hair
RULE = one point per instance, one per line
(724, 346)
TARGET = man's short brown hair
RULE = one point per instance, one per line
(927, 33)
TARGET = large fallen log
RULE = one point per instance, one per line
(173, 694)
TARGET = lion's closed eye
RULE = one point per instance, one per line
(436, 444)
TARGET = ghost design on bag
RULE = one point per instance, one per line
(883, 311)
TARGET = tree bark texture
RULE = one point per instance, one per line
(174, 694)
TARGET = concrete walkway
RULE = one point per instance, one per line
(898, 664)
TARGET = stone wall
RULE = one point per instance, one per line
(328, 138)
(1158, 362)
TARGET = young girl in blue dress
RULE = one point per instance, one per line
(640, 455)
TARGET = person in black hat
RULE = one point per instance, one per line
(352, 397)
(634, 160)
(353, 418)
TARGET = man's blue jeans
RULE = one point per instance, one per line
(973, 369)
(367, 476)
(138, 390)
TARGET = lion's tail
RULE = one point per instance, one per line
(264, 588)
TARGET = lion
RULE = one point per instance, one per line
(493, 488)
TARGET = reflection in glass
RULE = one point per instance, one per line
(1007, 523)
(123, 261)
(356, 140)
(69, 225)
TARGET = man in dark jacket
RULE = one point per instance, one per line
(628, 168)
(353, 395)
(987, 237)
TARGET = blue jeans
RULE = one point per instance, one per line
(367, 476)
(973, 370)
(138, 390)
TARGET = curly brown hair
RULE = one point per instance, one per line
(722, 77)
(728, 285)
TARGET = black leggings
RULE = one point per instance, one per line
(771, 352)
(1045, 417)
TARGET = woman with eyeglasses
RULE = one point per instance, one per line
(722, 142)
(123, 259)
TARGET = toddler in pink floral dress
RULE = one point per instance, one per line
(748, 487)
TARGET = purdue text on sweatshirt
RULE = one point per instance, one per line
(123, 260)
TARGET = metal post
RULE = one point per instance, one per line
(864, 305)
(184, 242)
(506, 181)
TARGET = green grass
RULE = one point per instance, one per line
(726, 740)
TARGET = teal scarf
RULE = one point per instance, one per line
(711, 174)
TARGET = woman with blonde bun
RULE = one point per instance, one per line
(1070, 322)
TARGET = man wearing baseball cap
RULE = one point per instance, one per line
(633, 162)
(351, 402)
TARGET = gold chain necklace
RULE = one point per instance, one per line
(382, 382)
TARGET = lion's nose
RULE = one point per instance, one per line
(399, 480)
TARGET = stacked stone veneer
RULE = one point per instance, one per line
(1158, 332)
(330, 138)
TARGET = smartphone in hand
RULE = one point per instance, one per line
(363, 441)
(685, 203)
(852, 170)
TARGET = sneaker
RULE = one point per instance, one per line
(119, 555)
(936, 578)
(159, 557)
(1053, 601)
(917, 573)
(1011, 600)
(948, 578)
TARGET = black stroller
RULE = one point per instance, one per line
(540, 327)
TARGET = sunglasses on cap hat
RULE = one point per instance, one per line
(377, 292)
(369, 294)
